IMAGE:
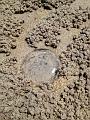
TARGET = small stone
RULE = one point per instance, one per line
(53, 45)
(13, 46)
(47, 43)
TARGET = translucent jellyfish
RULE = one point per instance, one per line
(41, 65)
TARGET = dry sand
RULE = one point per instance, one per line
(62, 26)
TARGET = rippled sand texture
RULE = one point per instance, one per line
(62, 27)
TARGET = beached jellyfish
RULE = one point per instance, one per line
(40, 65)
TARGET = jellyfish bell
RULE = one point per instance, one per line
(40, 65)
